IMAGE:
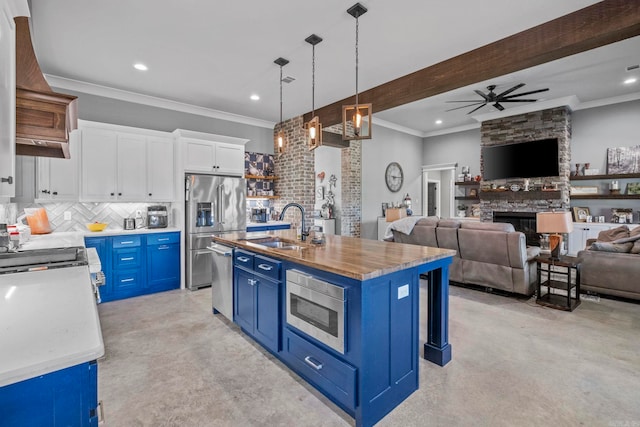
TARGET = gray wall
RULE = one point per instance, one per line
(328, 160)
(460, 147)
(114, 111)
(385, 147)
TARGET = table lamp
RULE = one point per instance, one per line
(554, 223)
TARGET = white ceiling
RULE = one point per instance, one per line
(215, 54)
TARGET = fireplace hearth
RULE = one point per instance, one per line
(524, 222)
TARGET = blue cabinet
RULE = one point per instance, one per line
(137, 264)
(163, 272)
(68, 397)
(257, 295)
(267, 227)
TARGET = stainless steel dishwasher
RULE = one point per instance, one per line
(222, 279)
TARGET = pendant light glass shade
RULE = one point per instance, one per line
(356, 118)
(313, 127)
(280, 137)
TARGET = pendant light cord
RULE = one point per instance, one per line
(281, 97)
(357, 25)
(313, 80)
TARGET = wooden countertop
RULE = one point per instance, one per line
(352, 257)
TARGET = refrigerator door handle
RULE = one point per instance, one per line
(220, 204)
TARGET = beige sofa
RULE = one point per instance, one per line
(611, 264)
(493, 255)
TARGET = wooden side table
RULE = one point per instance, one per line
(561, 302)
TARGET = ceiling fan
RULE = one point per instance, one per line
(492, 98)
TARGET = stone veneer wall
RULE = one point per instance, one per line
(295, 169)
(551, 123)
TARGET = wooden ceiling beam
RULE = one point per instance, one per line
(597, 25)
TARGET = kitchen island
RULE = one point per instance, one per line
(360, 347)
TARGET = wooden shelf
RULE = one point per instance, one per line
(467, 183)
(592, 177)
(520, 195)
(467, 198)
(263, 197)
(605, 196)
(269, 177)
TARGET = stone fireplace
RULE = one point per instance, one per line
(550, 123)
(521, 221)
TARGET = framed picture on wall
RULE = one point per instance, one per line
(580, 214)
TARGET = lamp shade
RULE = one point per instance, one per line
(554, 222)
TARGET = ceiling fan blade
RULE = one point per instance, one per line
(472, 100)
(465, 106)
(518, 100)
(498, 106)
(477, 108)
(486, 98)
(525, 93)
(508, 91)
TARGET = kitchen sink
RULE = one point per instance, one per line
(275, 243)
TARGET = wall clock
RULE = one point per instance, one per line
(394, 177)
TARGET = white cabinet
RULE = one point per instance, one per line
(160, 169)
(131, 164)
(7, 103)
(126, 167)
(213, 157)
(98, 158)
(582, 231)
(25, 179)
(57, 179)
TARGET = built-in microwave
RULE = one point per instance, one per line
(317, 308)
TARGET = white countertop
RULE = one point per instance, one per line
(117, 232)
(63, 239)
(48, 321)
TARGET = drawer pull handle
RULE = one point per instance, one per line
(243, 259)
(129, 258)
(163, 239)
(126, 242)
(126, 280)
(163, 247)
(310, 362)
(253, 282)
(265, 267)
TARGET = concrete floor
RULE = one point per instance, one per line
(170, 362)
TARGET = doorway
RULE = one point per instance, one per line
(433, 198)
(438, 185)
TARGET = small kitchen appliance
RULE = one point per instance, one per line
(259, 215)
(157, 217)
(129, 223)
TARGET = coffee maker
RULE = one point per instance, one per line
(259, 215)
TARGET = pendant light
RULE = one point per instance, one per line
(313, 126)
(280, 138)
(356, 118)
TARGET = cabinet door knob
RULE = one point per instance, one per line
(55, 193)
(150, 194)
(113, 194)
(8, 180)
(119, 194)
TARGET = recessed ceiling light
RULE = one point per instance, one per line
(255, 97)
(630, 80)
(140, 66)
(438, 122)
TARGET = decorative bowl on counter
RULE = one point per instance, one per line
(97, 226)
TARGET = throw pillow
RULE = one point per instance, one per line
(611, 247)
(634, 232)
(613, 234)
(636, 247)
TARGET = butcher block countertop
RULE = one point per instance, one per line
(360, 259)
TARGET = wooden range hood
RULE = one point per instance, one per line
(44, 118)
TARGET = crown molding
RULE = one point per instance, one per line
(608, 101)
(397, 127)
(137, 98)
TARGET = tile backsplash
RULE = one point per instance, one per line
(82, 213)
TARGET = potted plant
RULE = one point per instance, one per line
(462, 210)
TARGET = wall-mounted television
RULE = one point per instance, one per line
(531, 159)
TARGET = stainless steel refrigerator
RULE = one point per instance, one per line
(213, 204)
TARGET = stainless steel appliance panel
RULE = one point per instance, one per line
(316, 308)
(199, 268)
(222, 284)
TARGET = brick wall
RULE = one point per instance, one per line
(295, 168)
(551, 123)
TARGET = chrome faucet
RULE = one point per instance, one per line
(303, 233)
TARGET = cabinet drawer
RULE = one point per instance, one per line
(329, 374)
(267, 267)
(126, 241)
(163, 238)
(127, 282)
(127, 258)
(243, 259)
